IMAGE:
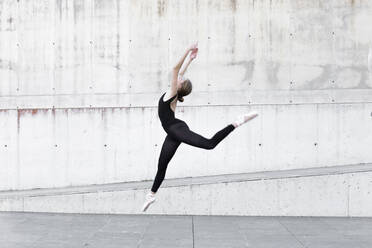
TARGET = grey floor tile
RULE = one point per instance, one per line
(272, 240)
(266, 226)
(33, 230)
(307, 226)
(328, 240)
(111, 241)
(351, 226)
(166, 242)
(56, 244)
(217, 232)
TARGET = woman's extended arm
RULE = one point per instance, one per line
(176, 70)
(185, 67)
(178, 66)
(191, 58)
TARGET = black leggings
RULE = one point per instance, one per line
(178, 133)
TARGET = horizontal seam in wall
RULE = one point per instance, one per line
(187, 106)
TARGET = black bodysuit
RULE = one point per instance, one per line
(178, 132)
(166, 114)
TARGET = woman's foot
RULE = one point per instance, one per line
(149, 199)
(241, 119)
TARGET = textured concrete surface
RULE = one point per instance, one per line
(96, 146)
(30, 230)
(333, 191)
(227, 178)
(80, 80)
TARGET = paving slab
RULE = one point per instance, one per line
(39, 230)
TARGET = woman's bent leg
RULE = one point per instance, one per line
(182, 133)
(168, 149)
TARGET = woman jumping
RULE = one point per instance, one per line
(176, 129)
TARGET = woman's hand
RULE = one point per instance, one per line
(194, 51)
(176, 70)
(193, 47)
(193, 54)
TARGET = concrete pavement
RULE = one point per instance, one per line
(39, 230)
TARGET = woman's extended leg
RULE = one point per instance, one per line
(168, 149)
(182, 133)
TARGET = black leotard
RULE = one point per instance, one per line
(166, 114)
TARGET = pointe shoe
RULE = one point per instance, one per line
(241, 119)
(149, 199)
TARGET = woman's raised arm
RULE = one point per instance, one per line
(177, 68)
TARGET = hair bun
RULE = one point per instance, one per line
(180, 99)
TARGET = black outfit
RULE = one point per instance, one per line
(177, 132)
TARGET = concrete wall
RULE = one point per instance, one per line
(80, 81)
(328, 195)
